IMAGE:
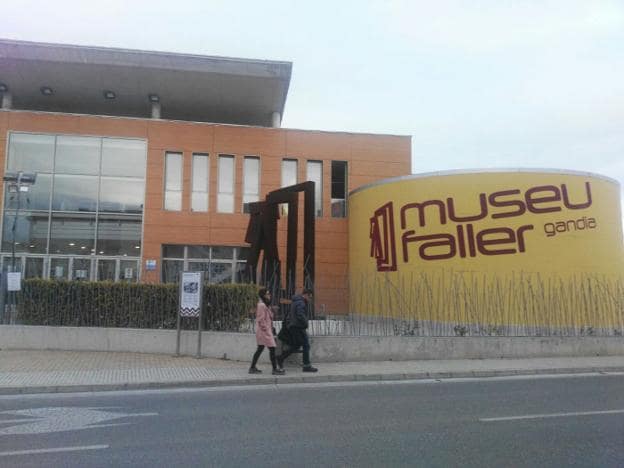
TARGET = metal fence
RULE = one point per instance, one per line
(445, 304)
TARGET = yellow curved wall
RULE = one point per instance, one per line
(495, 248)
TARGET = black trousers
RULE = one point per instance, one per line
(302, 337)
(258, 352)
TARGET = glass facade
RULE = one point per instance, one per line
(86, 204)
(220, 264)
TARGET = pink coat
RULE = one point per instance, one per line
(264, 326)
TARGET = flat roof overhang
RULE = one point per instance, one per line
(190, 87)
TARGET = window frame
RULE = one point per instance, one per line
(244, 184)
(205, 193)
(346, 189)
(318, 188)
(220, 192)
(165, 189)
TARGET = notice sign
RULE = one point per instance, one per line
(191, 289)
(14, 281)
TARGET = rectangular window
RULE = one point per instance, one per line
(221, 264)
(289, 172)
(31, 153)
(225, 190)
(339, 189)
(123, 157)
(173, 181)
(77, 155)
(315, 174)
(199, 190)
(251, 181)
(289, 177)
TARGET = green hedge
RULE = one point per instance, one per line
(107, 304)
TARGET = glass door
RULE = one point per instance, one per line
(106, 269)
(129, 271)
(59, 268)
(34, 267)
(81, 269)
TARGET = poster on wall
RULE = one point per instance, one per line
(14, 281)
(191, 289)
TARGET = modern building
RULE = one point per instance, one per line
(145, 160)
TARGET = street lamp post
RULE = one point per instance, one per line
(17, 182)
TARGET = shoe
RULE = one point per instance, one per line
(309, 369)
(278, 372)
(254, 370)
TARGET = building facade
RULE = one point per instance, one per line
(145, 161)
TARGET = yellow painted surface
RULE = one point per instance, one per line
(497, 248)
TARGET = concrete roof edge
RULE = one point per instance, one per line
(143, 58)
(17, 42)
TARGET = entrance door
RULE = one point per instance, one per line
(81, 269)
(129, 270)
(34, 267)
(106, 269)
(59, 268)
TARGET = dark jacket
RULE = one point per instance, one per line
(298, 316)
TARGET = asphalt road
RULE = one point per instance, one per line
(559, 421)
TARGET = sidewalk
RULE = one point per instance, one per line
(63, 371)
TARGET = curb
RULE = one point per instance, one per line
(302, 380)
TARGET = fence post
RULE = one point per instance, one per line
(3, 292)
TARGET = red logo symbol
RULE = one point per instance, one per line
(383, 246)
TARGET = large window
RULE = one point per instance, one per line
(220, 264)
(86, 203)
(339, 189)
(173, 181)
(315, 174)
(225, 194)
(33, 153)
(289, 172)
(251, 181)
(289, 177)
(199, 189)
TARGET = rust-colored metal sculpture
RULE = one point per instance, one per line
(262, 235)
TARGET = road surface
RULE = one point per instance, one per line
(514, 421)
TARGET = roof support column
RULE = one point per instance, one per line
(276, 120)
(155, 110)
(7, 100)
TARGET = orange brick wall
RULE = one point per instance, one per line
(369, 158)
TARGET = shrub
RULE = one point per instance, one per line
(128, 305)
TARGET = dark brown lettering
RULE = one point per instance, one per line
(421, 211)
(532, 201)
(505, 236)
(463, 219)
(493, 199)
(578, 206)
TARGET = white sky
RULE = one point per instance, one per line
(477, 84)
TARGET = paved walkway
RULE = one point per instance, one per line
(63, 371)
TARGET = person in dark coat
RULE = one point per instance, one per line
(296, 323)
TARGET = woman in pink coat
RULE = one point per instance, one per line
(264, 333)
